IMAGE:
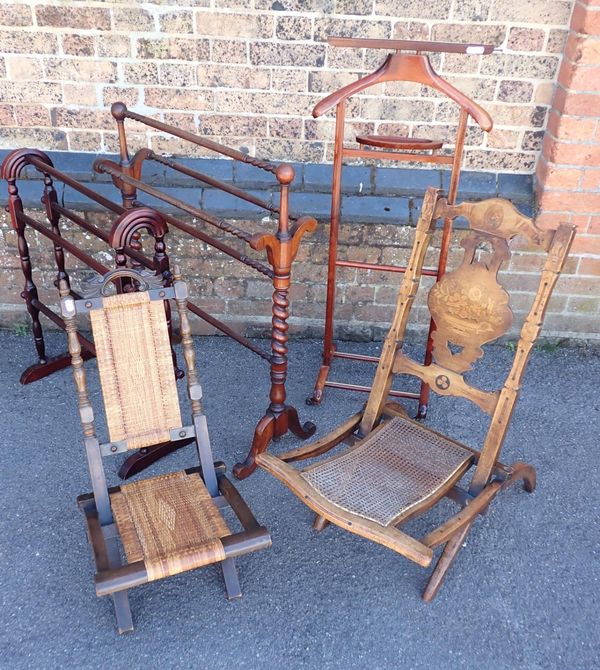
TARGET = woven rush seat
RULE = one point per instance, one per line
(390, 472)
(170, 522)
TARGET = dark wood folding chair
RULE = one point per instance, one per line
(395, 468)
(170, 523)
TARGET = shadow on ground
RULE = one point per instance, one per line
(523, 593)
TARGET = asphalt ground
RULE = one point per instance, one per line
(524, 592)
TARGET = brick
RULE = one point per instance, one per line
(585, 21)
(396, 109)
(544, 93)
(229, 51)
(127, 94)
(176, 22)
(87, 18)
(515, 91)
(293, 81)
(140, 73)
(324, 27)
(64, 69)
(281, 150)
(571, 129)
(284, 127)
(435, 9)
(84, 141)
(175, 98)
(114, 46)
(500, 138)
(499, 160)
(14, 15)
(571, 154)
(37, 92)
(570, 202)
(582, 50)
(519, 65)
(556, 41)
(576, 104)
(213, 24)
(344, 59)
(173, 48)
(526, 39)
(300, 55)
(579, 305)
(7, 116)
(229, 76)
(535, 11)
(532, 140)
(82, 118)
(294, 28)
(410, 30)
(589, 266)
(78, 45)
(375, 208)
(132, 19)
(240, 126)
(80, 94)
(406, 181)
(468, 32)
(460, 63)
(20, 68)
(37, 42)
(33, 115)
(177, 74)
(554, 178)
(471, 10)
(37, 137)
(590, 180)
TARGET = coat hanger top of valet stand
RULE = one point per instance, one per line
(414, 67)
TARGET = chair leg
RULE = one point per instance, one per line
(445, 561)
(320, 522)
(122, 612)
(120, 599)
(230, 575)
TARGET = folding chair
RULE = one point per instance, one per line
(170, 523)
(395, 468)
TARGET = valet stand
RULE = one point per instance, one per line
(398, 66)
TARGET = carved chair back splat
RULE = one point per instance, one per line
(395, 468)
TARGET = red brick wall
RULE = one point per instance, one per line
(568, 172)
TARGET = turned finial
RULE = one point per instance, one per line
(285, 173)
(118, 110)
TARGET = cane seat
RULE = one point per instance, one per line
(387, 475)
(170, 522)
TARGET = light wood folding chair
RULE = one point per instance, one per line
(395, 468)
(170, 523)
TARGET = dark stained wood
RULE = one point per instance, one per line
(112, 576)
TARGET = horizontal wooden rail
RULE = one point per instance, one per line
(381, 268)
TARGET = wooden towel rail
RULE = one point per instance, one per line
(280, 250)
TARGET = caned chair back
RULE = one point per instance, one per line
(136, 369)
(470, 307)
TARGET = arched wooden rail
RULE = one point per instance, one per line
(281, 248)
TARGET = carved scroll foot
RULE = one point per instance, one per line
(270, 427)
(262, 436)
(145, 457)
(301, 430)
